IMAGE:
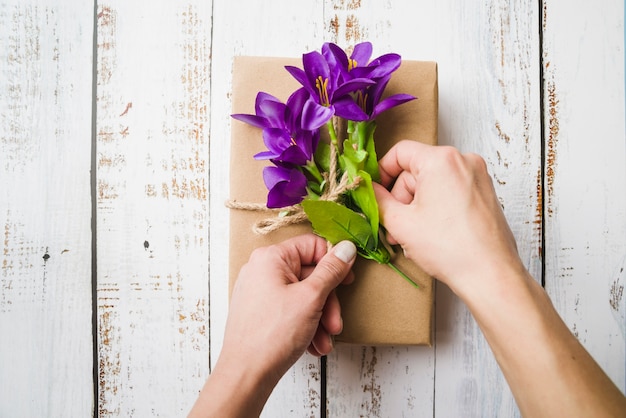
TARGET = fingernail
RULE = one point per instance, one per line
(345, 251)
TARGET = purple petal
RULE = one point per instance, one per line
(315, 66)
(297, 99)
(385, 65)
(253, 120)
(348, 109)
(293, 155)
(272, 175)
(314, 115)
(295, 104)
(286, 187)
(264, 155)
(352, 86)
(390, 102)
(362, 53)
(374, 94)
(276, 140)
(333, 52)
(307, 141)
(274, 112)
(261, 98)
(301, 78)
(337, 61)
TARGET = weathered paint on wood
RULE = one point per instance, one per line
(163, 95)
(152, 151)
(495, 111)
(585, 173)
(489, 104)
(45, 208)
(382, 381)
(279, 28)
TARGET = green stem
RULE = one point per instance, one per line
(331, 132)
(361, 132)
(404, 276)
(312, 168)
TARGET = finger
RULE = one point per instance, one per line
(331, 315)
(404, 188)
(307, 270)
(403, 156)
(349, 278)
(302, 250)
(313, 351)
(322, 341)
(390, 212)
(332, 268)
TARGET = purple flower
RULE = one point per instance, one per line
(358, 65)
(283, 136)
(370, 99)
(378, 71)
(287, 186)
(330, 95)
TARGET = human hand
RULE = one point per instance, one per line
(442, 209)
(283, 302)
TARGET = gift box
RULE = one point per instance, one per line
(380, 307)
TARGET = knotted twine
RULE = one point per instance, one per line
(292, 215)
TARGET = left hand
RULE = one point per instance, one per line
(284, 303)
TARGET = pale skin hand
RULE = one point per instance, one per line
(283, 304)
(442, 209)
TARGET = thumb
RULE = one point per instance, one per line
(333, 267)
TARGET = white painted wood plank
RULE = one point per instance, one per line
(152, 205)
(586, 175)
(489, 103)
(381, 381)
(45, 208)
(278, 28)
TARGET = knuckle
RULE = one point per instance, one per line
(329, 268)
(476, 161)
(450, 156)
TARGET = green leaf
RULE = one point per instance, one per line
(365, 199)
(363, 137)
(335, 223)
(356, 156)
(371, 163)
(322, 156)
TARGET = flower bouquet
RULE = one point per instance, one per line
(322, 158)
(330, 183)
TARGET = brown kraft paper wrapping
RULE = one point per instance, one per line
(379, 308)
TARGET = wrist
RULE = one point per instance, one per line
(492, 282)
(235, 388)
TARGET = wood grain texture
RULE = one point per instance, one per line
(45, 209)
(586, 175)
(152, 155)
(278, 28)
(381, 381)
(162, 155)
(489, 104)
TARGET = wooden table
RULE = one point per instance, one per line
(114, 152)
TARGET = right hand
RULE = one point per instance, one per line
(443, 210)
